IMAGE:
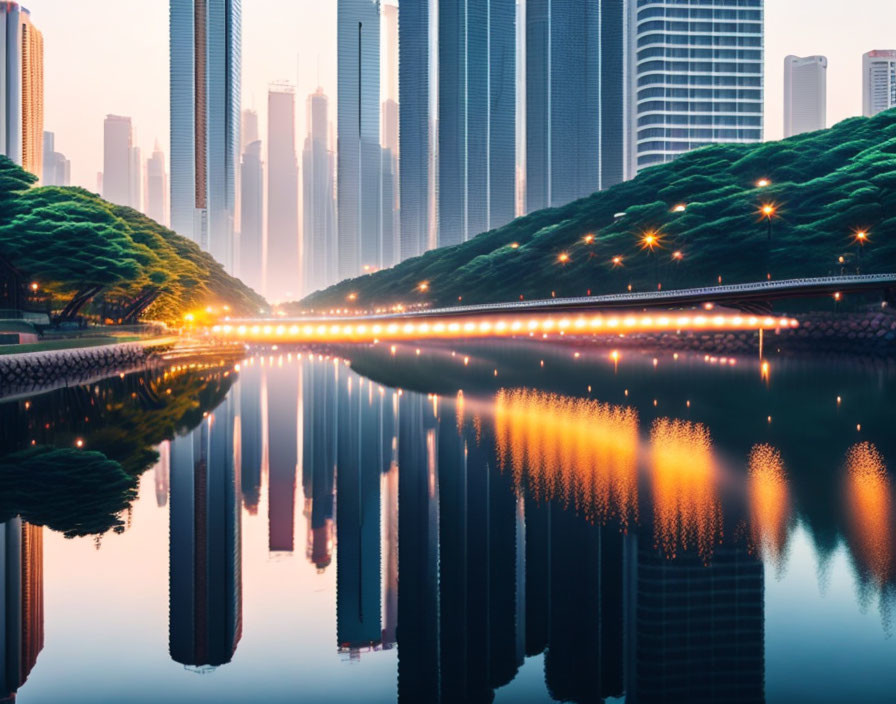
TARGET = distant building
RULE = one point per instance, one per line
(157, 187)
(878, 81)
(118, 142)
(205, 579)
(135, 184)
(205, 69)
(319, 242)
(696, 77)
(575, 99)
(805, 94)
(283, 395)
(21, 88)
(57, 169)
(389, 139)
(283, 273)
(21, 603)
(251, 259)
(358, 146)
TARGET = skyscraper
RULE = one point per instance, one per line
(283, 268)
(695, 77)
(389, 139)
(21, 88)
(135, 174)
(251, 264)
(575, 99)
(118, 141)
(205, 46)
(57, 169)
(418, 134)
(878, 81)
(157, 187)
(805, 94)
(318, 203)
(477, 117)
(205, 579)
(358, 150)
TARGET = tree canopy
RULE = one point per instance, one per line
(704, 210)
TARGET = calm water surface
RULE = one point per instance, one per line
(508, 523)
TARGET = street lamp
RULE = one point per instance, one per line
(563, 258)
(763, 183)
(649, 242)
(423, 286)
(589, 239)
(768, 211)
(617, 261)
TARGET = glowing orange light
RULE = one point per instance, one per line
(677, 255)
(423, 286)
(514, 245)
(837, 296)
(763, 183)
(680, 208)
(589, 239)
(861, 237)
(34, 286)
(769, 501)
(650, 241)
(563, 258)
(352, 296)
(79, 443)
(768, 210)
(617, 261)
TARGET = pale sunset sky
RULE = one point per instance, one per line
(111, 56)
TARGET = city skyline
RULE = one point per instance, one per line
(305, 42)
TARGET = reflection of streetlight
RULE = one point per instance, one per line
(861, 237)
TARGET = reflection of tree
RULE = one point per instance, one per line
(118, 422)
(71, 491)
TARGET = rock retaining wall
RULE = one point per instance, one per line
(41, 371)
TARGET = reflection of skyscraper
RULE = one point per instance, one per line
(205, 60)
(583, 661)
(696, 631)
(282, 270)
(358, 458)
(319, 457)
(21, 603)
(283, 399)
(162, 473)
(205, 618)
(252, 439)
(22, 88)
(358, 146)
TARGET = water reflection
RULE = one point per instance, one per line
(470, 531)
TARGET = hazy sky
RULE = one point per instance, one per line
(111, 56)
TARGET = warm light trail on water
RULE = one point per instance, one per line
(870, 511)
(769, 502)
(511, 325)
(578, 451)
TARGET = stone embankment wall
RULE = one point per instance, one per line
(41, 371)
(872, 333)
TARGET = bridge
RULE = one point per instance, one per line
(680, 310)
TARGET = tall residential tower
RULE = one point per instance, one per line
(318, 203)
(695, 77)
(358, 150)
(21, 88)
(205, 46)
(878, 81)
(805, 94)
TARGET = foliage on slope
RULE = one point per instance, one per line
(82, 249)
(824, 186)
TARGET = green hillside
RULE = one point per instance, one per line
(825, 187)
(88, 255)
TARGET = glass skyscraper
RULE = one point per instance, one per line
(477, 117)
(358, 150)
(205, 61)
(696, 76)
(575, 99)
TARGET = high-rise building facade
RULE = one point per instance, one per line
(389, 119)
(283, 271)
(118, 143)
(575, 99)
(417, 67)
(21, 88)
(57, 169)
(805, 94)
(318, 202)
(695, 77)
(358, 146)
(477, 117)
(157, 187)
(135, 173)
(878, 81)
(205, 48)
(251, 260)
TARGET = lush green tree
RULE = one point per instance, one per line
(824, 186)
